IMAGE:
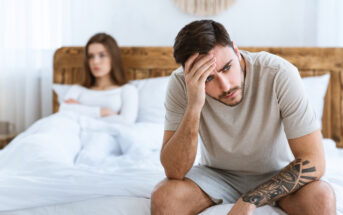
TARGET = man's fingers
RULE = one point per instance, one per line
(201, 61)
(204, 69)
(189, 62)
(204, 75)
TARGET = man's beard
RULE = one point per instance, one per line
(224, 94)
(234, 89)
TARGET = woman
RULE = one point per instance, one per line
(107, 96)
(104, 100)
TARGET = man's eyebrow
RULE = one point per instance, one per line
(225, 65)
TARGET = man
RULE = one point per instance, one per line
(261, 140)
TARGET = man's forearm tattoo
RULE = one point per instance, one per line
(290, 179)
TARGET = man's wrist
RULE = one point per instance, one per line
(249, 205)
(193, 110)
(242, 207)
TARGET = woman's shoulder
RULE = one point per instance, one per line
(66, 87)
(72, 91)
(78, 86)
(129, 88)
(104, 90)
(115, 89)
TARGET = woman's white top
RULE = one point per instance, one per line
(123, 100)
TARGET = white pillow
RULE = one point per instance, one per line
(61, 90)
(151, 95)
(315, 88)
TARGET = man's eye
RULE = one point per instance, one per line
(227, 67)
(209, 78)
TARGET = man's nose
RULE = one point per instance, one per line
(224, 83)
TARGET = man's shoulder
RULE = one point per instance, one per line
(265, 60)
(177, 72)
(176, 92)
(177, 75)
(177, 80)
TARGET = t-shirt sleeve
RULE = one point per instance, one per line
(297, 115)
(175, 102)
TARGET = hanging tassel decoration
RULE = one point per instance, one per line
(204, 7)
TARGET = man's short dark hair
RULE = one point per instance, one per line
(199, 36)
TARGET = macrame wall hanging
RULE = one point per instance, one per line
(204, 7)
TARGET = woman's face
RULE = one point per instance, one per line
(99, 60)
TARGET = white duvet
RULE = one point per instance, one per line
(39, 167)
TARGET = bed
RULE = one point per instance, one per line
(61, 188)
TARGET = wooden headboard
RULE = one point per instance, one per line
(147, 62)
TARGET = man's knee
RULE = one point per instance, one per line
(325, 197)
(164, 197)
(314, 198)
(159, 197)
(319, 198)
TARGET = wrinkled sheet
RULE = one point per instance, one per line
(37, 168)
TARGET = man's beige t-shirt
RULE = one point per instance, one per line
(251, 137)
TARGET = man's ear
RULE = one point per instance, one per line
(235, 48)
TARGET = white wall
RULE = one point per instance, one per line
(156, 22)
(31, 30)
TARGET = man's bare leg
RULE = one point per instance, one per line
(179, 197)
(314, 198)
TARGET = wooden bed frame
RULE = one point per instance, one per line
(147, 62)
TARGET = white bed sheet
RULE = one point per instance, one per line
(98, 206)
(37, 168)
(123, 206)
(38, 175)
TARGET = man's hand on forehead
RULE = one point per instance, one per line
(202, 56)
(197, 69)
(199, 61)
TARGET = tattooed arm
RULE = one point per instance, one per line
(292, 178)
(308, 166)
